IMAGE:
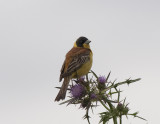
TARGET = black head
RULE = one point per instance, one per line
(81, 40)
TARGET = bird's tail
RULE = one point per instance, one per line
(63, 90)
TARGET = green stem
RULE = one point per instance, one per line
(104, 105)
(111, 108)
(114, 120)
(114, 117)
(137, 116)
(125, 82)
(120, 119)
(87, 115)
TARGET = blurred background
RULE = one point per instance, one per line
(36, 34)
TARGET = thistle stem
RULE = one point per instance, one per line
(125, 82)
(87, 115)
(120, 119)
(104, 105)
(111, 109)
(115, 120)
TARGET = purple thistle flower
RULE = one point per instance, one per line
(93, 96)
(77, 91)
(102, 79)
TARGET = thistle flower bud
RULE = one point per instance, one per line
(120, 107)
(85, 102)
(101, 82)
(125, 110)
(93, 96)
(102, 79)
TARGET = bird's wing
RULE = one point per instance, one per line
(62, 71)
(75, 61)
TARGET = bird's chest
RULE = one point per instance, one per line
(84, 68)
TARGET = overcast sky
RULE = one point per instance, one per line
(36, 34)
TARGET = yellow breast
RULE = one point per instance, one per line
(84, 68)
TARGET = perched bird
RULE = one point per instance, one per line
(77, 63)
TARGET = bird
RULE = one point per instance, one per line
(77, 63)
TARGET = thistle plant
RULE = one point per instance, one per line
(90, 92)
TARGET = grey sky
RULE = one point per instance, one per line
(36, 34)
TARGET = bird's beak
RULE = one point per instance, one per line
(87, 41)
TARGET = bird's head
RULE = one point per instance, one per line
(82, 42)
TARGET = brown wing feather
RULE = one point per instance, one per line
(75, 58)
(62, 71)
(77, 62)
